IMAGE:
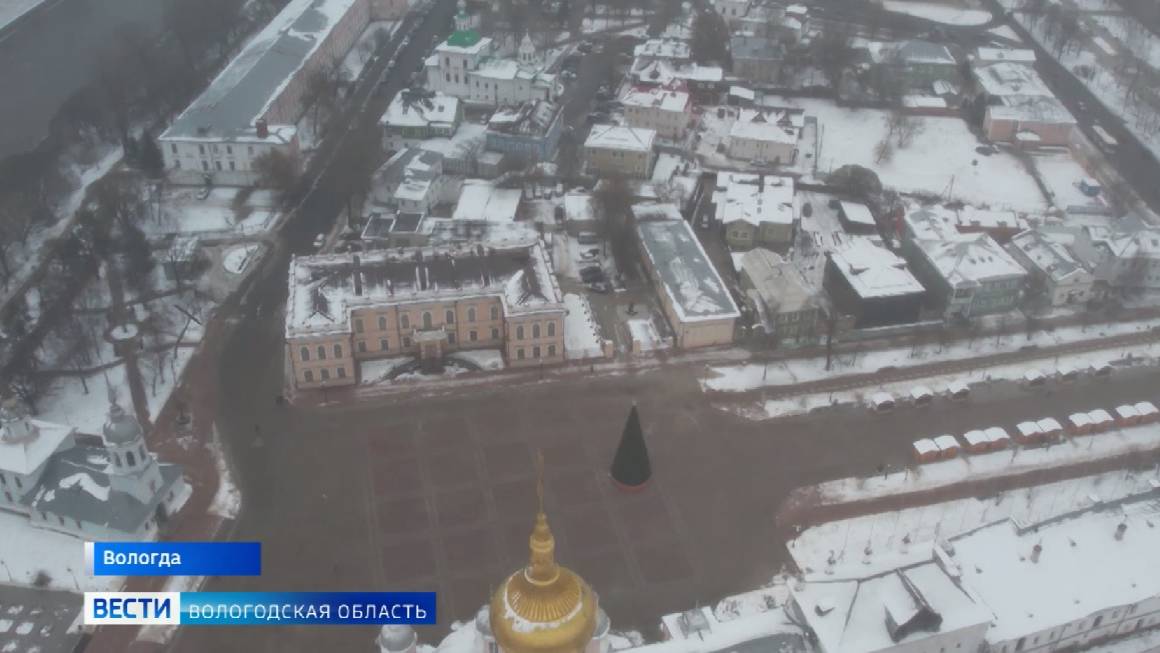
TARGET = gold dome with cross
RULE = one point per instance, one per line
(543, 608)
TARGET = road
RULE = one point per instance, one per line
(49, 56)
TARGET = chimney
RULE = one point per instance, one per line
(357, 276)
(1035, 551)
(263, 128)
(1120, 530)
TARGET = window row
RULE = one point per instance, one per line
(551, 329)
(304, 352)
(323, 374)
(16, 481)
(520, 354)
(213, 148)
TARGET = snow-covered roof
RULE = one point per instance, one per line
(408, 110)
(991, 55)
(615, 137)
(25, 455)
(257, 76)
(322, 288)
(663, 73)
(1004, 78)
(695, 289)
(754, 198)
(1082, 567)
(482, 200)
(885, 611)
(533, 118)
(778, 283)
(1126, 239)
(1031, 108)
(970, 260)
(873, 271)
(657, 98)
(912, 52)
(662, 49)
(408, 175)
(579, 207)
(1047, 255)
(777, 126)
(656, 211)
(946, 442)
(925, 446)
(467, 142)
(858, 213)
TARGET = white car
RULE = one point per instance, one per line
(319, 241)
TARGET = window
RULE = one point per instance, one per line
(1020, 643)
(383, 345)
(229, 149)
(471, 314)
(321, 353)
(551, 329)
(406, 343)
(495, 334)
(446, 61)
(173, 147)
(405, 321)
(551, 351)
(8, 497)
(358, 325)
(19, 483)
(218, 165)
(130, 459)
(520, 332)
(536, 351)
(362, 346)
(426, 319)
(382, 323)
(304, 353)
(325, 374)
(495, 312)
(250, 150)
(338, 351)
(447, 76)
(308, 376)
(204, 165)
(141, 452)
(536, 330)
(1096, 623)
(177, 163)
(342, 372)
(3, 480)
(450, 316)
(201, 149)
(473, 335)
(520, 353)
(451, 337)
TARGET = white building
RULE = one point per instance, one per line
(252, 107)
(755, 209)
(114, 491)
(466, 66)
(411, 119)
(765, 136)
(413, 181)
(665, 111)
(673, 51)
(1125, 257)
(1053, 267)
(613, 150)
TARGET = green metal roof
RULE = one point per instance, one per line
(463, 38)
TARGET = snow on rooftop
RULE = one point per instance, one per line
(695, 289)
(1046, 254)
(24, 456)
(992, 55)
(858, 213)
(1007, 78)
(754, 198)
(662, 49)
(258, 75)
(481, 200)
(873, 271)
(970, 260)
(778, 126)
(658, 98)
(408, 111)
(614, 137)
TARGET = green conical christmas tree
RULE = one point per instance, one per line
(631, 469)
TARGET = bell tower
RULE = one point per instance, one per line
(133, 468)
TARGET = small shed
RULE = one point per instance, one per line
(925, 451)
(1079, 423)
(997, 438)
(882, 402)
(1050, 429)
(948, 446)
(958, 391)
(1101, 369)
(1067, 373)
(1147, 412)
(977, 441)
(921, 395)
(1028, 432)
(1101, 420)
(1126, 415)
(1034, 378)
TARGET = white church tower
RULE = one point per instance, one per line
(134, 470)
(527, 52)
(464, 21)
(397, 639)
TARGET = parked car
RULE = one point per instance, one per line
(584, 47)
(589, 254)
(319, 241)
(601, 287)
(590, 275)
(588, 238)
(204, 192)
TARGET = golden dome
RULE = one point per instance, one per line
(543, 608)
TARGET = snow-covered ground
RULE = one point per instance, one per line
(939, 13)
(28, 550)
(1062, 174)
(581, 333)
(803, 404)
(941, 160)
(378, 371)
(237, 258)
(486, 359)
(735, 378)
(182, 212)
(644, 332)
(1132, 35)
(227, 501)
(885, 533)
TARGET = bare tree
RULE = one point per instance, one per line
(834, 54)
(883, 151)
(710, 38)
(277, 170)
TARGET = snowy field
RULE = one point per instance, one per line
(941, 160)
(222, 211)
(885, 532)
(975, 378)
(939, 13)
(737, 378)
(1062, 174)
(581, 333)
(1132, 35)
(28, 550)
